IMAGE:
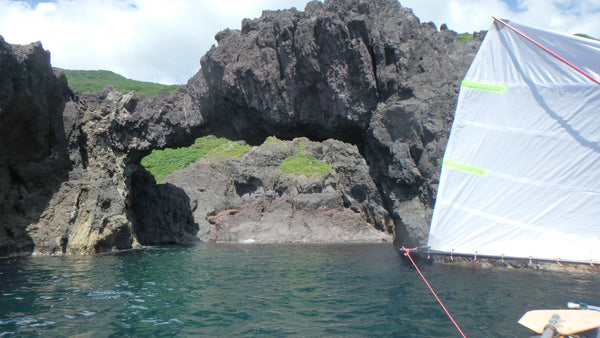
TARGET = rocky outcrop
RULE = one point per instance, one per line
(108, 201)
(33, 155)
(252, 199)
(366, 73)
(67, 162)
(161, 212)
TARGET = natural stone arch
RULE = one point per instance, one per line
(368, 73)
(389, 86)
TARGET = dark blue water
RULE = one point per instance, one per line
(271, 290)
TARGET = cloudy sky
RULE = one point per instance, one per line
(163, 40)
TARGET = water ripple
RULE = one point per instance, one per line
(274, 290)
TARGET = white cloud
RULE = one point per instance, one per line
(150, 40)
(566, 16)
(459, 15)
(162, 41)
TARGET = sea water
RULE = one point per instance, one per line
(271, 290)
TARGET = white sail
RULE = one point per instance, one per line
(521, 172)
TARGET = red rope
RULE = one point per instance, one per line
(407, 254)
(547, 50)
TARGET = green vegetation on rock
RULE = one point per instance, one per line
(301, 148)
(229, 149)
(161, 163)
(89, 81)
(302, 164)
(272, 140)
(464, 37)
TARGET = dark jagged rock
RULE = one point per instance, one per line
(112, 203)
(366, 73)
(33, 157)
(162, 212)
(66, 161)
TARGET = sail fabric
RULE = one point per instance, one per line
(521, 172)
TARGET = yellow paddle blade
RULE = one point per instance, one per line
(571, 321)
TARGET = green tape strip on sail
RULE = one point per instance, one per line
(467, 168)
(487, 87)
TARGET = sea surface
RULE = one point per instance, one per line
(358, 290)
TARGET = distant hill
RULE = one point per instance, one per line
(88, 81)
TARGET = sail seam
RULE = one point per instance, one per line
(563, 187)
(521, 225)
(514, 130)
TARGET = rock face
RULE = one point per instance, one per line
(161, 212)
(33, 155)
(67, 162)
(366, 73)
(251, 199)
(110, 133)
(108, 200)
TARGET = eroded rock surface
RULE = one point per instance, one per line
(252, 199)
(33, 152)
(67, 162)
(364, 72)
(109, 202)
(367, 73)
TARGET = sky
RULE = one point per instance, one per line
(163, 40)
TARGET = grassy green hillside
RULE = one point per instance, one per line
(88, 81)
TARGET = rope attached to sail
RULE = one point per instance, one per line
(547, 50)
(407, 254)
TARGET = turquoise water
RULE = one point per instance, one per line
(270, 290)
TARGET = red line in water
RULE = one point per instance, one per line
(407, 254)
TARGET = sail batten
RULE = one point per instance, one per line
(521, 171)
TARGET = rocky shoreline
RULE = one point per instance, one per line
(371, 88)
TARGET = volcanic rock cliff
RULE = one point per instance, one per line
(365, 73)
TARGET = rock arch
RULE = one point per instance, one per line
(363, 72)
